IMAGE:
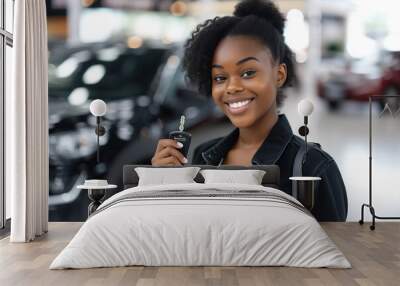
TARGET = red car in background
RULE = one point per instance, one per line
(360, 79)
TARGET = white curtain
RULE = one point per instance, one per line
(27, 123)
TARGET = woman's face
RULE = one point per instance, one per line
(245, 80)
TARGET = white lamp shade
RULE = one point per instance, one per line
(305, 107)
(98, 107)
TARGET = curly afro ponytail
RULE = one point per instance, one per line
(259, 19)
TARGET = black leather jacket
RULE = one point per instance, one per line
(280, 148)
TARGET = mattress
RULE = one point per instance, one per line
(201, 225)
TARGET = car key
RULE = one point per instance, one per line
(182, 137)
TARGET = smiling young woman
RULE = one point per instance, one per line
(245, 80)
(242, 61)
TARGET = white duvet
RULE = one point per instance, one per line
(207, 230)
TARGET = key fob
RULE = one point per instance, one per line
(182, 137)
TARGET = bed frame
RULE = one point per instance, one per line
(270, 179)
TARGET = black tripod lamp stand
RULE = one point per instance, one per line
(369, 205)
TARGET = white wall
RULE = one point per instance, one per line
(7, 97)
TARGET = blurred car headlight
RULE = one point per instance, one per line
(73, 144)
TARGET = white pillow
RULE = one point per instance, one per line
(248, 177)
(164, 176)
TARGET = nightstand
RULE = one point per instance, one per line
(303, 190)
(96, 195)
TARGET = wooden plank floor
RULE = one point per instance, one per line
(374, 255)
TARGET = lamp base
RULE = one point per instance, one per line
(96, 196)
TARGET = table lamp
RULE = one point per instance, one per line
(303, 187)
(98, 108)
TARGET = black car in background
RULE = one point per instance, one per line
(146, 94)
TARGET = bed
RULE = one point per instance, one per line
(201, 224)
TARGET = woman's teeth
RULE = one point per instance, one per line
(239, 104)
(239, 107)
